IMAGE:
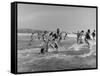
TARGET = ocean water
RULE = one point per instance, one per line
(70, 55)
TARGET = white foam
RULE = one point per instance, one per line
(76, 47)
(92, 51)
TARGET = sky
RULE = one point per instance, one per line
(46, 17)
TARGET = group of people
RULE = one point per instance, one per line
(52, 39)
(49, 39)
(85, 36)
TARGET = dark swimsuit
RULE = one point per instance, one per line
(93, 34)
(87, 36)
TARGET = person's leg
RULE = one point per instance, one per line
(51, 45)
(64, 36)
(87, 42)
(46, 50)
(81, 40)
(42, 50)
(56, 46)
(93, 37)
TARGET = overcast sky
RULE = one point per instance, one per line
(44, 17)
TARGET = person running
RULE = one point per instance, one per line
(87, 37)
(93, 35)
(78, 36)
(80, 39)
(53, 42)
(47, 43)
(55, 36)
(45, 47)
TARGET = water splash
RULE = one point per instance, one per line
(92, 49)
(76, 47)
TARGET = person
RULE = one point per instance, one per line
(62, 35)
(58, 31)
(47, 43)
(30, 43)
(56, 46)
(45, 47)
(53, 42)
(81, 36)
(93, 35)
(55, 36)
(87, 37)
(39, 35)
(65, 36)
(44, 35)
(78, 35)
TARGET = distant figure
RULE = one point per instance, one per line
(62, 35)
(78, 35)
(93, 35)
(39, 36)
(58, 31)
(31, 39)
(87, 37)
(44, 35)
(65, 35)
(80, 39)
(44, 48)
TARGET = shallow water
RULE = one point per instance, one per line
(69, 56)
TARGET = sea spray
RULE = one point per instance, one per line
(92, 49)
